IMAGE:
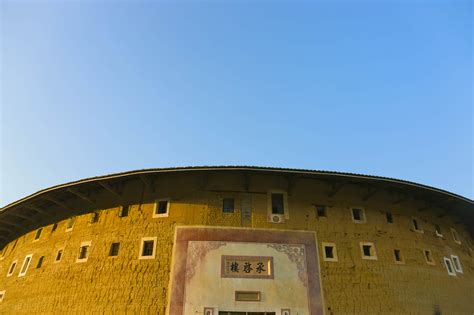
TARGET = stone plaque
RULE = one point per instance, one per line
(247, 267)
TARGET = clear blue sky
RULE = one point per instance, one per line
(91, 88)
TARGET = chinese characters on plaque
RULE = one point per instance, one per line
(247, 267)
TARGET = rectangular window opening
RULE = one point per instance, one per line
(26, 264)
(398, 255)
(161, 208)
(449, 267)
(59, 255)
(95, 217)
(428, 257)
(228, 205)
(358, 215)
(278, 203)
(40, 262)
(114, 249)
(123, 211)
(38, 233)
(438, 230)
(55, 226)
(368, 251)
(416, 225)
(455, 236)
(456, 264)
(321, 211)
(389, 217)
(12, 268)
(147, 248)
(70, 224)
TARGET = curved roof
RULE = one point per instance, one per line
(17, 217)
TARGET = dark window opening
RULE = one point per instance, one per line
(162, 207)
(147, 248)
(83, 252)
(59, 254)
(367, 249)
(38, 233)
(70, 223)
(398, 255)
(415, 224)
(389, 217)
(428, 256)
(55, 226)
(12, 268)
(40, 262)
(114, 249)
(321, 211)
(357, 214)
(438, 229)
(329, 251)
(277, 204)
(228, 205)
(124, 211)
(95, 217)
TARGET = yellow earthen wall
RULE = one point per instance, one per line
(351, 285)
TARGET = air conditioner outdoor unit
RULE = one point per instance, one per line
(277, 218)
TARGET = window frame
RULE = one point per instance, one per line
(455, 235)
(28, 263)
(371, 257)
(446, 261)
(70, 228)
(420, 228)
(432, 262)
(364, 217)
(286, 209)
(11, 271)
(121, 211)
(2, 295)
(402, 258)
(38, 236)
(142, 242)
(86, 244)
(56, 260)
(224, 204)
(455, 267)
(440, 234)
(110, 250)
(334, 251)
(156, 208)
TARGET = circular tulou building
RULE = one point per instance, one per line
(238, 241)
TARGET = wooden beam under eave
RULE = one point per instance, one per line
(335, 188)
(20, 216)
(371, 191)
(59, 203)
(38, 210)
(110, 190)
(79, 194)
(148, 183)
(7, 222)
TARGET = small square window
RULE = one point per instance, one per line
(2, 295)
(70, 224)
(114, 249)
(455, 236)
(147, 248)
(38, 234)
(95, 217)
(397, 254)
(40, 262)
(26, 264)
(329, 251)
(438, 231)
(278, 203)
(228, 205)
(358, 215)
(55, 226)
(123, 211)
(321, 211)
(161, 208)
(456, 263)
(428, 257)
(416, 225)
(389, 217)
(449, 266)
(11, 270)
(368, 251)
(83, 252)
(59, 255)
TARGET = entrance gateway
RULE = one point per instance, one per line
(244, 272)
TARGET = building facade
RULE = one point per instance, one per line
(238, 240)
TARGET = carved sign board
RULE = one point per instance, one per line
(247, 267)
